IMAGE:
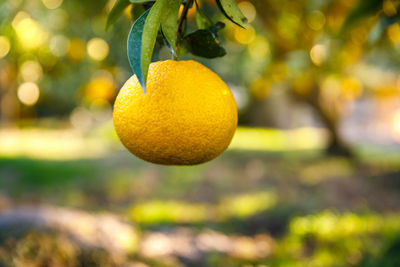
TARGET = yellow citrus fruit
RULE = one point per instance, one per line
(187, 116)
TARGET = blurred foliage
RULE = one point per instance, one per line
(56, 50)
(331, 57)
(47, 249)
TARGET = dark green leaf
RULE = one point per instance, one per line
(140, 1)
(150, 32)
(168, 44)
(217, 27)
(136, 11)
(142, 38)
(377, 31)
(169, 23)
(230, 9)
(204, 43)
(116, 11)
(135, 47)
(202, 21)
(364, 8)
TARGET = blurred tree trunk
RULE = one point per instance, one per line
(336, 145)
(269, 13)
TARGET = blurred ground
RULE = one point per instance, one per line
(284, 204)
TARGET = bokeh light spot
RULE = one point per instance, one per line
(31, 71)
(303, 84)
(59, 45)
(288, 25)
(389, 8)
(4, 46)
(244, 36)
(76, 50)
(248, 10)
(28, 93)
(101, 89)
(331, 88)
(29, 32)
(240, 94)
(260, 88)
(52, 4)
(80, 118)
(97, 49)
(58, 19)
(393, 33)
(318, 54)
(316, 20)
(18, 18)
(259, 48)
(15, 3)
(396, 125)
(351, 88)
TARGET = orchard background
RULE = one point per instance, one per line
(311, 177)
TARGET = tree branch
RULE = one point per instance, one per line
(181, 20)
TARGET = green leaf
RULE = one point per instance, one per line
(169, 23)
(142, 38)
(135, 47)
(217, 27)
(136, 11)
(204, 43)
(380, 27)
(202, 21)
(230, 9)
(140, 1)
(116, 11)
(149, 37)
(365, 8)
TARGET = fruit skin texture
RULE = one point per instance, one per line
(187, 116)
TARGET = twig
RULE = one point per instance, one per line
(181, 20)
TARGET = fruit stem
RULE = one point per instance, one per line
(181, 20)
